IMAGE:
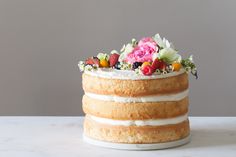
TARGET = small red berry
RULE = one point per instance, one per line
(147, 70)
(89, 61)
(162, 65)
(92, 61)
(113, 59)
(158, 64)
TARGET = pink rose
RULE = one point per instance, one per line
(143, 51)
(149, 42)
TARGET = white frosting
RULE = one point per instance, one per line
(153, 98)
(128, 74)
(150, 122)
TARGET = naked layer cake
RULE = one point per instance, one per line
(138, 95)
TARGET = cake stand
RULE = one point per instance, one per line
(124, 146)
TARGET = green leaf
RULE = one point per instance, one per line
(189, 66)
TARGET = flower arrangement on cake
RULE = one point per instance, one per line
(148, 56)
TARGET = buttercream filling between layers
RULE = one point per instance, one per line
(153, 98)
(151, 122)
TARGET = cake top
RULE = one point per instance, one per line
(150, 57)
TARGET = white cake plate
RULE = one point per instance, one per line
(137, 146)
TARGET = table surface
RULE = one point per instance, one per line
(62, 137)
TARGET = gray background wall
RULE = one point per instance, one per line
(42, 41)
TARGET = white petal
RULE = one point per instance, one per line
(129, 48)
(122, 57)
(158, 40)
(167, 44)
(114, 51)
(155, 56)
(191, 58)
(123, 48)
(179, 58)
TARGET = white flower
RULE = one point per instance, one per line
(179, 58)
(191, 58)
(114, 51)
(158, 40)
(163, 43)
(155, 56)
(168, 52)
(126, 49)
(169, 55)
(88, 68)
(125, 66)
(134, 42)
(81, 66)
(103, 56)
